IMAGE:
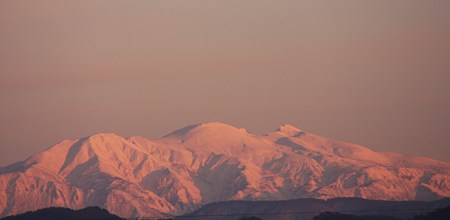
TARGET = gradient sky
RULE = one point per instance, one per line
(376, 73)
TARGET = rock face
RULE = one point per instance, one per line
(211, 162)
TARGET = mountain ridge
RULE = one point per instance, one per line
(56, 213)
(211, 162)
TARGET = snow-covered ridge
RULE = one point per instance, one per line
(211, 162)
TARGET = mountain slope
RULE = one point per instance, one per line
(211, 162)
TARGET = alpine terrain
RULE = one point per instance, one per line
(211, 162)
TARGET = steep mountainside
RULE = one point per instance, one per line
(211, 162)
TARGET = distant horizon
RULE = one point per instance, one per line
(371, 73)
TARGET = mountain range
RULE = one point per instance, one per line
(212, 162)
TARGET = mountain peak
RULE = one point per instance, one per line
(103, 136)
(288, 129)
(208, 127)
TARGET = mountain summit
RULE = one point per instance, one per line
(211, 162)
(288, 130)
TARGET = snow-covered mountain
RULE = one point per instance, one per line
(211, 162)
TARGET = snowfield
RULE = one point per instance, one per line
(211, 162)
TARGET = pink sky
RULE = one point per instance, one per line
(375, 73)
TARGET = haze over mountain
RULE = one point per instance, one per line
(211, 162)
(307, 209)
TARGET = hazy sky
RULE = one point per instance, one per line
(376, 73)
